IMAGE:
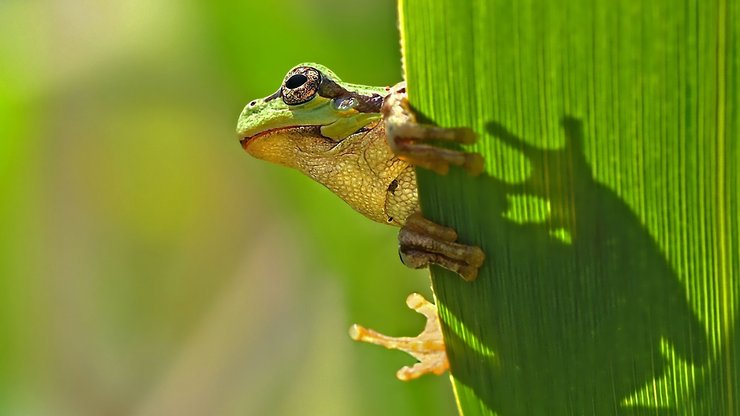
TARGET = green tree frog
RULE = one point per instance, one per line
(363, 143)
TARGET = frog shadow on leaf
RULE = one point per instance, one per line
(581, 323)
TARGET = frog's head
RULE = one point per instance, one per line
(310, 113)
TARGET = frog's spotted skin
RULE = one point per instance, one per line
(363, 143)
(360, 169)
(338, 140)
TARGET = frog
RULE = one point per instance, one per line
(364, 144)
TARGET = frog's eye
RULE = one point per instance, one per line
(300, 85)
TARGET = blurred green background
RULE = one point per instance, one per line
(149, 266)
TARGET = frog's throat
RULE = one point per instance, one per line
(310, 130)
(293, 146)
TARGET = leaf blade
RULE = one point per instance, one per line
(614, 120)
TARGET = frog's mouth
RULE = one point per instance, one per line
(304, 131)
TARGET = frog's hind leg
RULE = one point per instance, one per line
(409, 139)
(428, 347)
(423, 242)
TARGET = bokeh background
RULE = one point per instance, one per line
(148, 266)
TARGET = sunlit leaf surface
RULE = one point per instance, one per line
(610, 207)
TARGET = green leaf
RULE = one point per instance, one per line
(610, 208)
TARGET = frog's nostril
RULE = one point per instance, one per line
(252, 103)
(296, 81)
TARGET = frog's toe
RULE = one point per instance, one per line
(423, 242)
(411, 141)
(428, 347)
(467, 269)
(435, 158)
(474, 164)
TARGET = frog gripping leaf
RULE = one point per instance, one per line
(363, 144)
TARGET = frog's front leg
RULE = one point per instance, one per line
(409, 139)
(427, 347)
(422, 242)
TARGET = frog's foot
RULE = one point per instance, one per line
(409, 139)
(428, 347)
(422, 242)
